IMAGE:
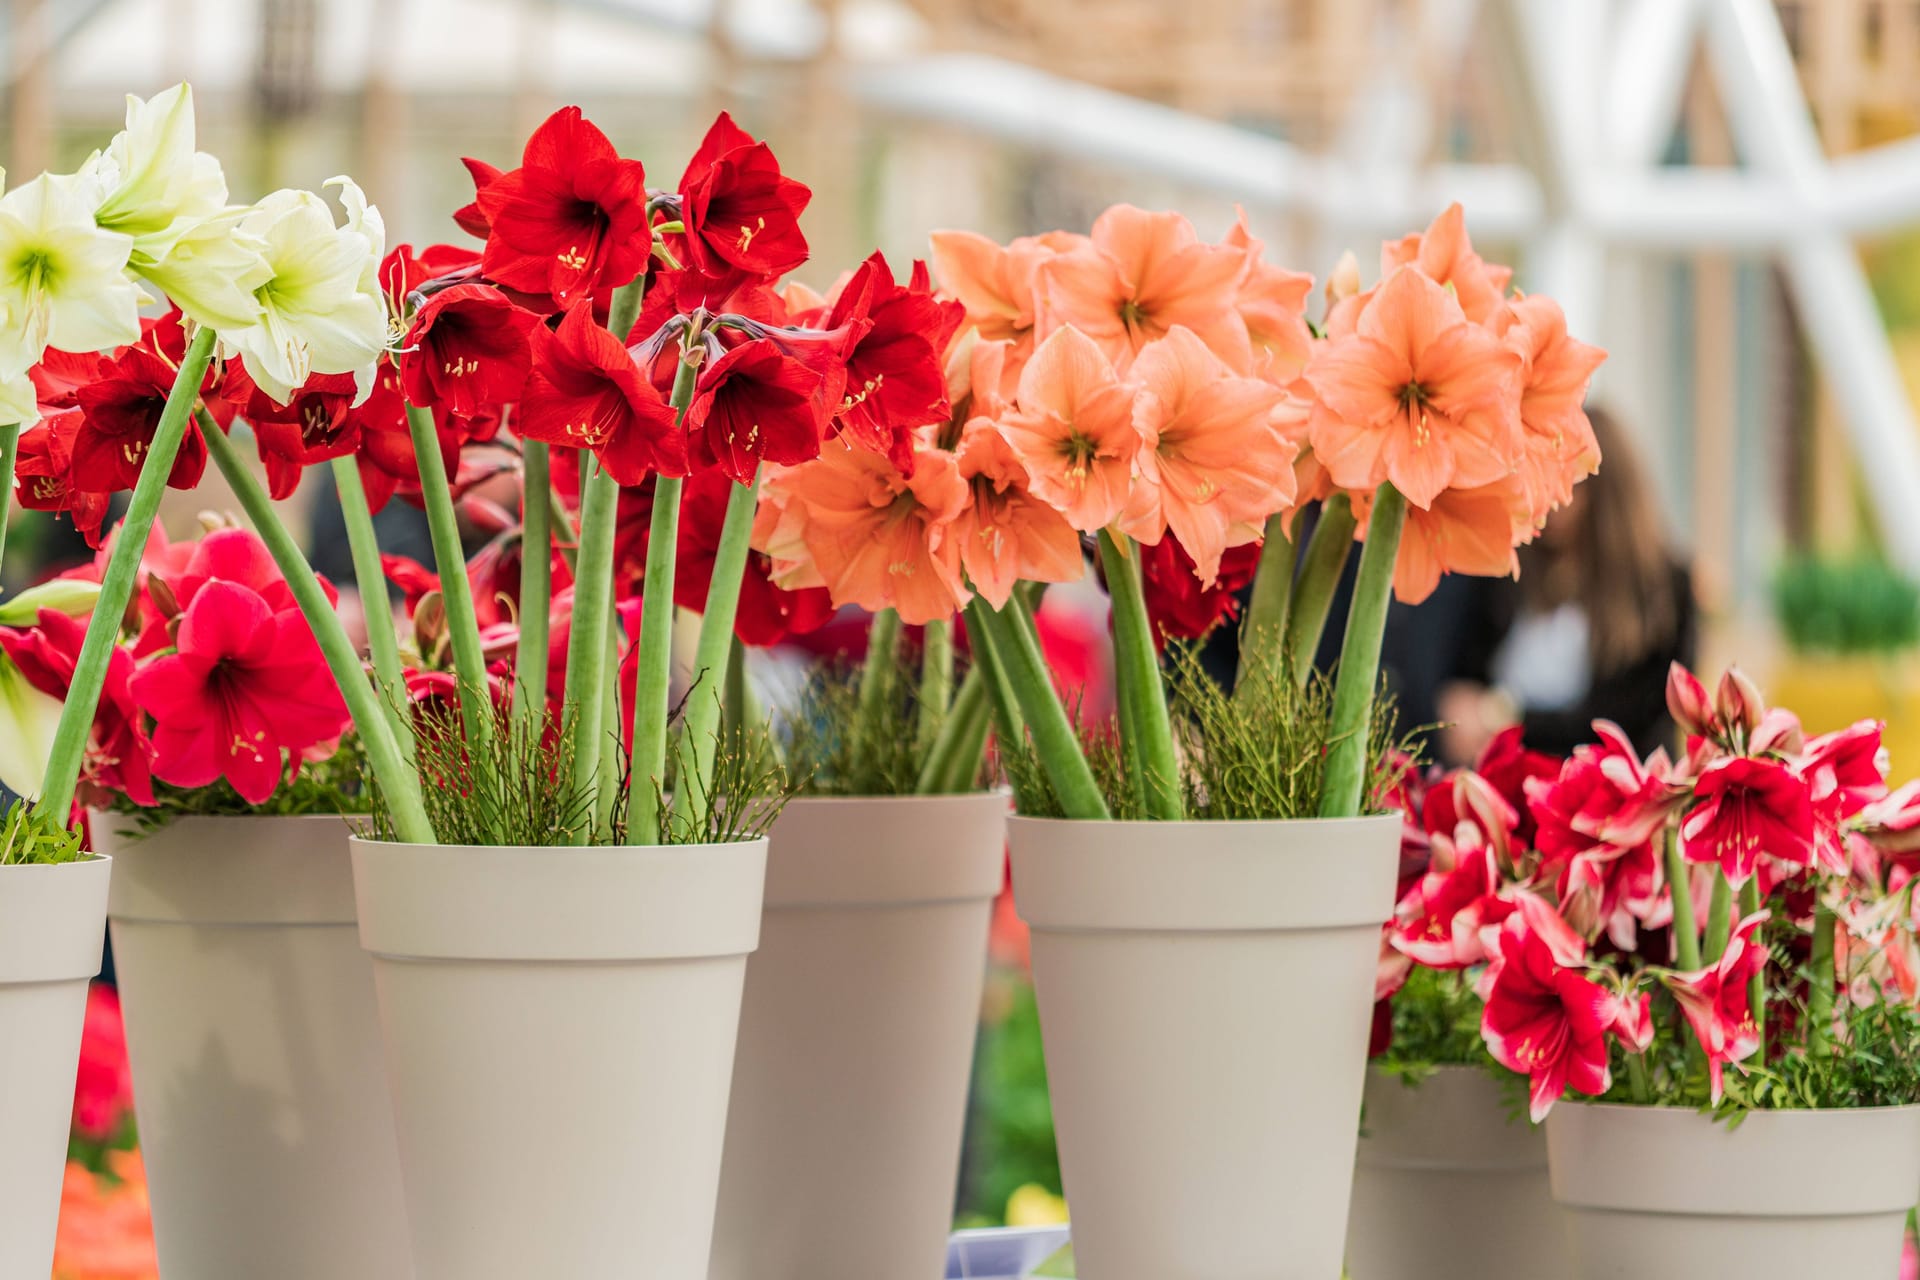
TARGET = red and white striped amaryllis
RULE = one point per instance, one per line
(1546, 1018)
(1717, 1001)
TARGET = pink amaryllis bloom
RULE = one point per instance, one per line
(1074, 430)
(1446, 921)
(1717, 1001)
(1751, 811)
(1545, 1017)
(1004, 533)
(245, 689)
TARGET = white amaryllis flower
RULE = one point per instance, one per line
(63, 279)
(19, 403)
(28, 719)
(152, 185)
(74, 597)
(321, 308)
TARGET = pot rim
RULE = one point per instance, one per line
(1756, 1113)
(1210, 824)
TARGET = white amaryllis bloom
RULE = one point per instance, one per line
(63, 279)
(19, 403)
(321, 308)
(28, 719)
(74, 597)
(152, 185)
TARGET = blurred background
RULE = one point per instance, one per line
(1723, 193)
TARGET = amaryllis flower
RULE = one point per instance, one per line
(1545, 1018)
(741, 213)
(1559, 448)
(571, 219)
(245, 689)
(231, 555)
(999, 284)
(468, 347)
(1845, 771)
(755, 404)
(895, 379)
(1179, 605)
(1447, 919)
(1074, 430)
(1507, 764)
(767, 613)
(1717, 1001)
(1444, 254)
(43, 475)
(1470, 531)
(1749, 809)
(121, 407)
(586, 392)
(103, 1091)
(1006, 535)
(1417, 395)
(1596, 823)
(118, 757)
(1273, 303)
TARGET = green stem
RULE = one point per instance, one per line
(383, 645)
(1637, 1078)
(1263, 631)
(584, 708)
(1686, 933)
(9, 454)
(652, 687)
(733, 703)
(1820, 983)
(1017, 648)
(1345, 791)
(953, 758)
(1136, 663)
(936, 681)
(398, 779)
(1757, 985)
(536, 587)
(463, 628)
(610, 744)
(1719, 920)
(698, 739)
(879, 678)
(1320, 569)
(566, 539)
(1008, 723)
(116, 586)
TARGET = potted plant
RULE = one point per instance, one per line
(1850, 623)
(1165, 398)
(1777, 863)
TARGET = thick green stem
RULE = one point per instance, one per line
(584, 710)
(383, 645)
(398, 779)
(1719, 920)
(463, 628)
(879, 677)
(1757, 984)
(699, 730)
(1008, 723)
(1017, 648)
(116, 585)
(1345, 791)
(1820, 983)
(1136, 663)
(1263, 630)
(653, 685)
(536, 586)
(9, 454)
(936, 681)
(1686, 932)
(565, 538)
(953, 759)
(1320, 569)
(1637, 1083)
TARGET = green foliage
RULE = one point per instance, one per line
(827, 754)
(333, 785)
(1436, 1023)
(30, 838)
(1859, 604)
(1255, 754)
(1011, 1133)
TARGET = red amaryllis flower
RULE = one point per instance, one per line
(741, 213)
(755, 403)
(587, 393)
(238, 556)
(1448, 919)
(1508, 764)
(121, 410)
(118, 757)
(896, 382)
(103, 1091)
(1749, 808)
(1594, 829)
(246, 687)
(1845, 771)
(571, 219)
(1545, 1018)
(1717, 1001)
(767, 614)
(43, 475)
(468, 348)
(469, 217)
(1179, 607)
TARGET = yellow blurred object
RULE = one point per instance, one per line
(1034, 1206)
(1833, 692)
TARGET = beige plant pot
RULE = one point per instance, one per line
(559, 1027)
(1205, 993)
(856, 1038)
(255, 1046)
(52, 921)
(1433, 1157)
(1666, 1191)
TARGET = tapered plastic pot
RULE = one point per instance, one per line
(856, 1038)
(255, 1047)
(1434, 1155)
(1666, 1191)
(1205, 994)
(559, 1026)
(52, 921)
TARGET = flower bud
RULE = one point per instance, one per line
(1738, 702)
(1687, 702)
(71, 596)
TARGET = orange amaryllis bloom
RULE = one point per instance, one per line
(1444, 254)
(1417, 395)
(877, 538)
(1143, 274)
(1471, 531)
(996, 283)
(1073, 428)
(1005, 534)
(1273, 303)
(1560, 448)
(1213, 463)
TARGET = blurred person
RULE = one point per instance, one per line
(1602, 606)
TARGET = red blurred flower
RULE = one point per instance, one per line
(1507, 764)
(103, 1093)
(1749, 808)
(741, 213)
(1179, 607)
(118, 758)
(244, 686)
(767, 614)
(586, 392)
(755, 403)
(121, 410)
(468, 348)
(43, 475)
(1545, 1018)
(571, 219)
(1717, 1001)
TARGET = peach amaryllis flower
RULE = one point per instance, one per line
(1444, 254)
(1471, 531)
(1143, 274)
(1005, 534)
(1417, 395)
(1559, 447)
(1073, 428)
(997, 283)
(1213, 463)
(1273, 302)
(876, 538)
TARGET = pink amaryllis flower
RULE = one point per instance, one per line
(1749, 809)
(1595, 825)
(1445, 922)
(1545, 1017)
(245, 689)
(1717, 1001)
